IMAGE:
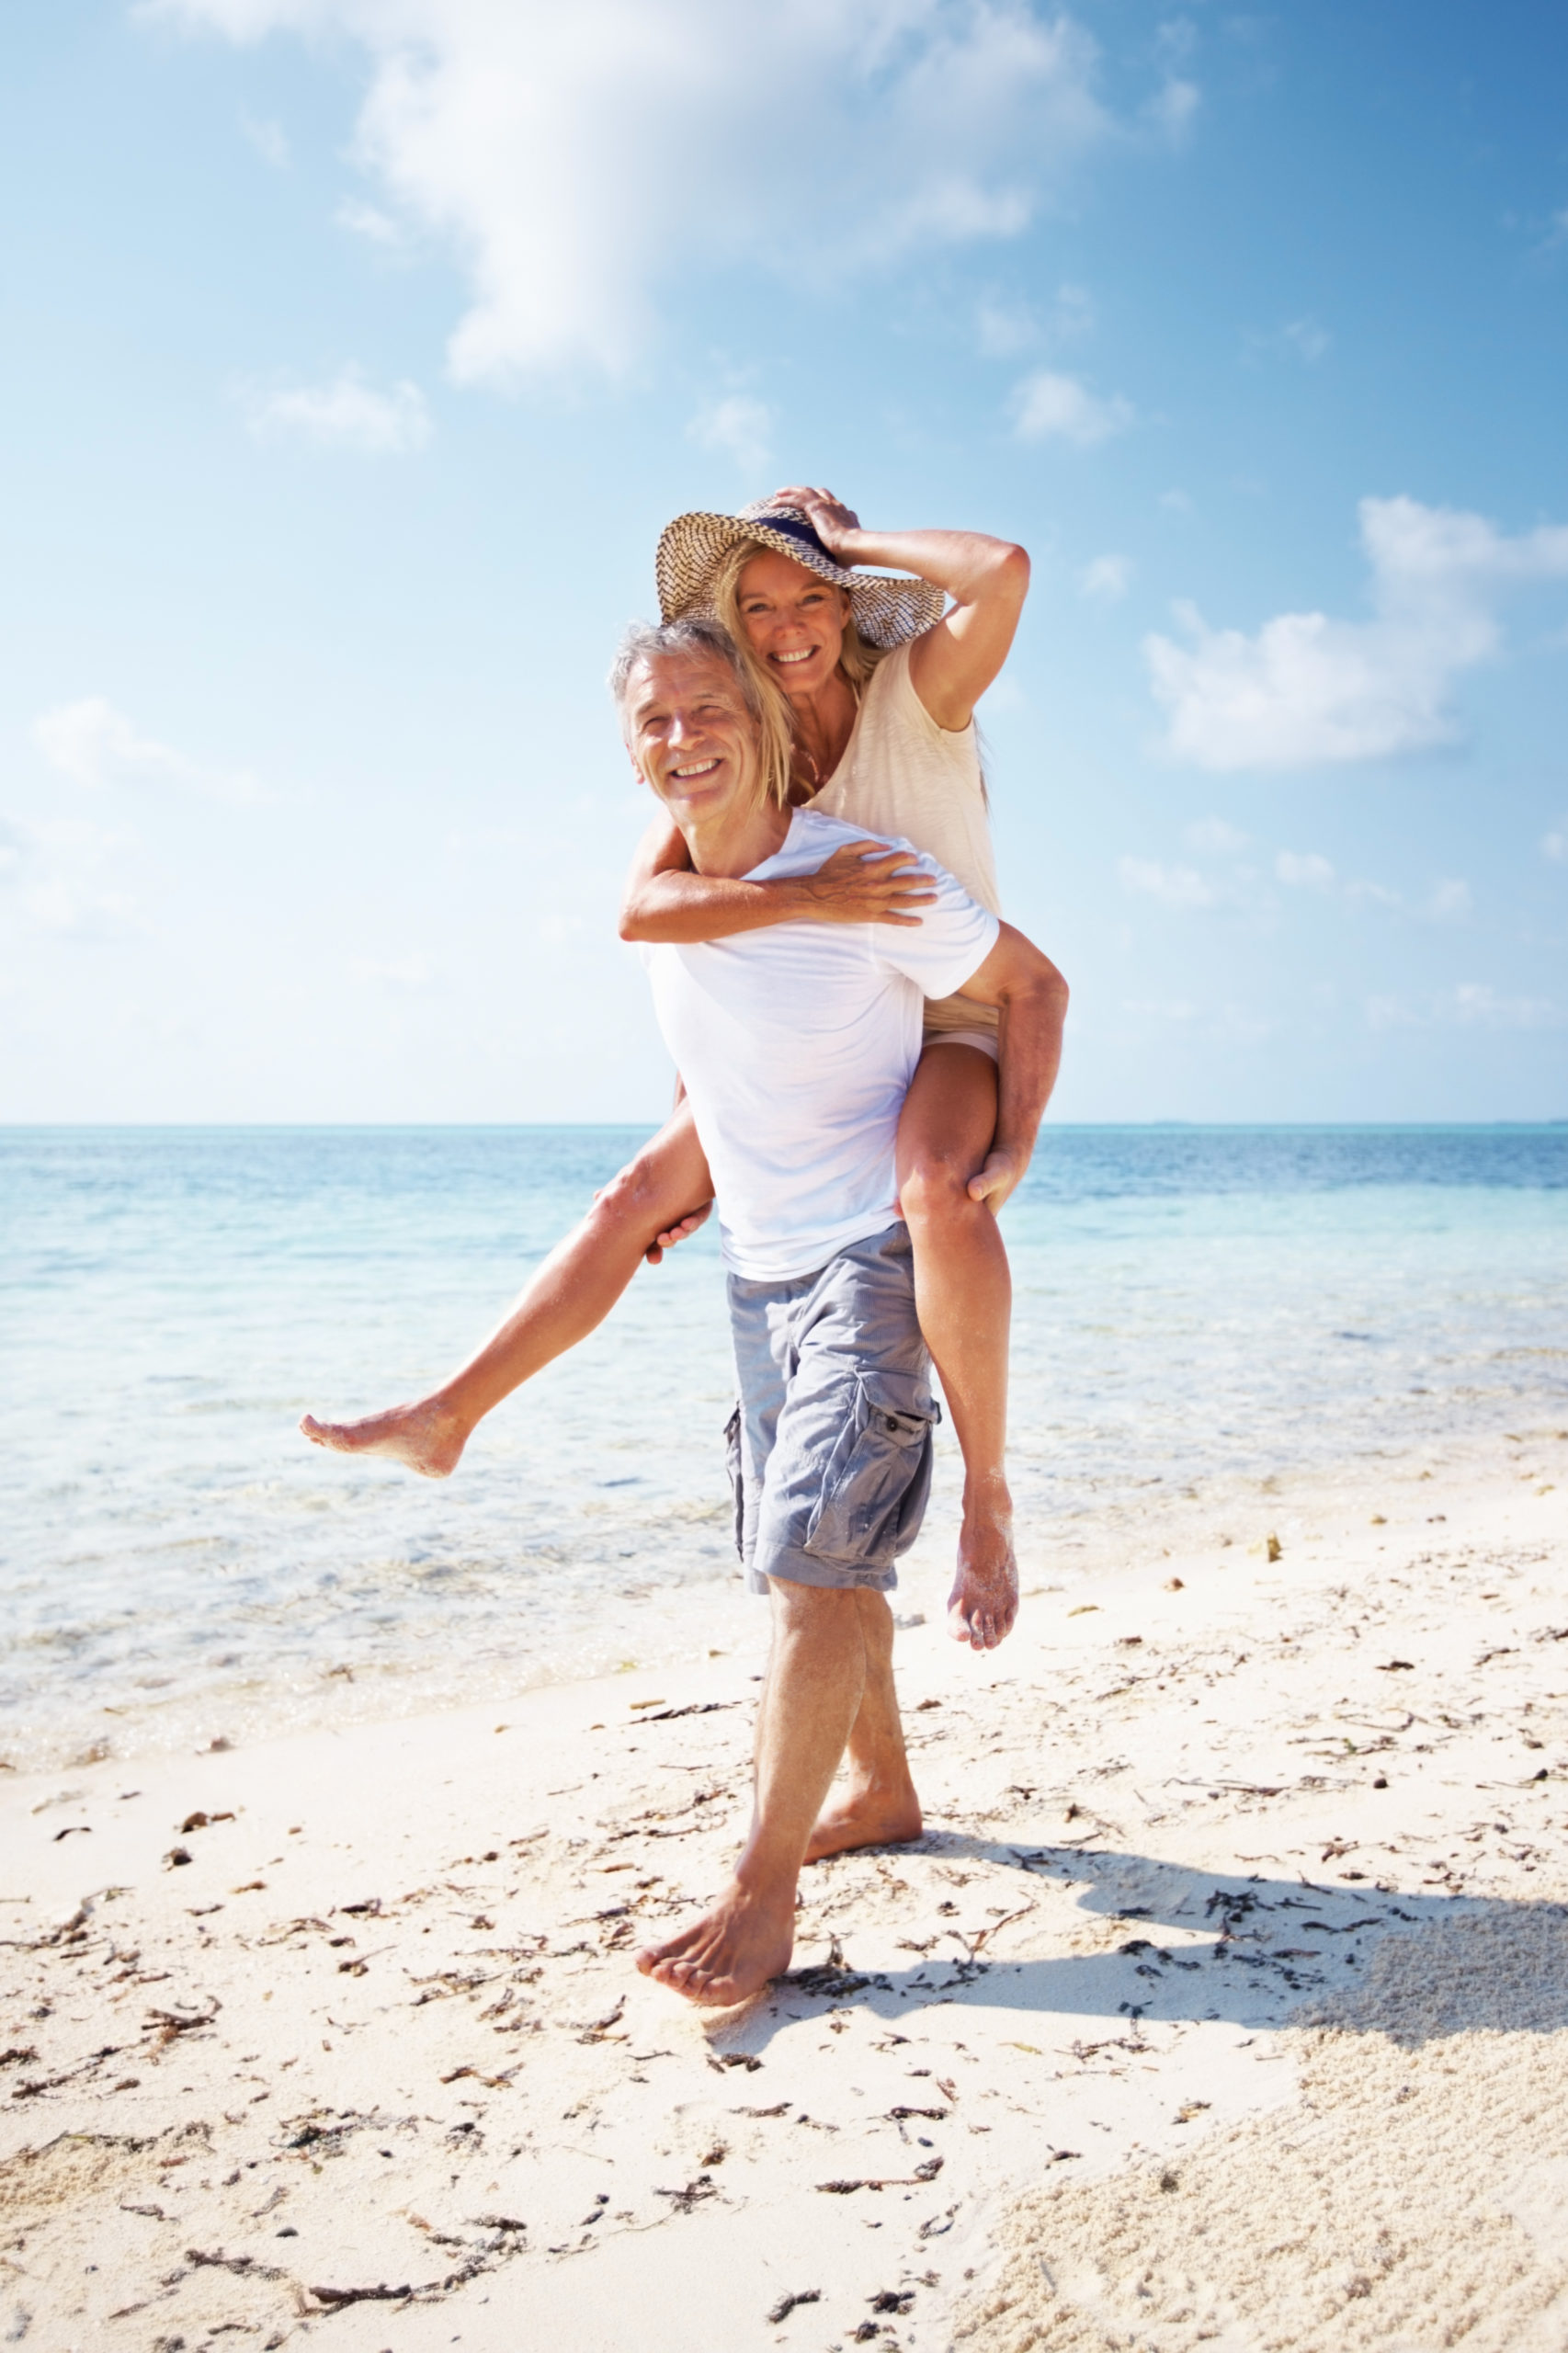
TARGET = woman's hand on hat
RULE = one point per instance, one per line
(834, 523)
(865, 882)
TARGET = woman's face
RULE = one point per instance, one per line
(794, 620)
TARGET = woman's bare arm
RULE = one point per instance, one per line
(953, 662)
(861, 882)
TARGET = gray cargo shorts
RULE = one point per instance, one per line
(830, 1447)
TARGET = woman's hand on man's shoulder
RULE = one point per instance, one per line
(866, 883)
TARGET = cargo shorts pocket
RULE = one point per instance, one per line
(737, 1478)
(878, 1479)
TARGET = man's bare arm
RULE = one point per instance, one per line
(1032, 996)
(861, 882)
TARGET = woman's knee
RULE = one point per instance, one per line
(640, 1195)
(667, 1181)
(934, 1191)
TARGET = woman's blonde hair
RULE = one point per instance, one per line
(857, 659)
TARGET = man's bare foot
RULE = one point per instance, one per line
(729, 1954)
(984, 1602)
(429, 1438)
(866, 1817)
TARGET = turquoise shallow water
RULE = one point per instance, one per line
(1198, 1309)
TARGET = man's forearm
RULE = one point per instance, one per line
(1029, 1056)
(1031, 997)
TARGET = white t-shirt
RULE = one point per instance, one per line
(797, 1045)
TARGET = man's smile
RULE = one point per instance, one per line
(695, 767)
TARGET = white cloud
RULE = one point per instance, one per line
(347, 414)
(1555, 845)
(580, 161)
(1449, 902)
(362, 220)
(1105, 580)
(1473, 1002)
(1173, 110)
(1049, 407)
(394, 972)
(63, 877)
(1175, 41)
(1212, 834)
(1176, 502)
(1309, 690)
(1303, 339)
(1474, 1005)
(1307, 338)
(53, 904)
(1377, 893)
(269, 139)
(740, 426)
(1176, 1009)
(1308, 871)
(1174, 107)
(1007, 327)
(95, 744)
(1072, 314)
(1174, 886)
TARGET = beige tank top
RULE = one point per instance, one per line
(901, 774)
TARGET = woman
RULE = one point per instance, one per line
(870, 688)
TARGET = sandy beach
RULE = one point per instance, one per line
(1224, 2001)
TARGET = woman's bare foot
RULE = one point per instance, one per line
(866, 1817)
(984, 1602)
(429, 1438)
(729, 1954)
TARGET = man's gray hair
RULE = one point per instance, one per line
(698, 633)
(647, 641)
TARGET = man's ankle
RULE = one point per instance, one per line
(888, 1795)
(987, 1491)
(764, 1879)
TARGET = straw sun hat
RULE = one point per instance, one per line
(888, 609)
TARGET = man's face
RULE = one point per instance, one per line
(692, 737)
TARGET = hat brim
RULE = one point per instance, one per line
(889, 609)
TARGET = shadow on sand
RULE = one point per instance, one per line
(1265, 1949)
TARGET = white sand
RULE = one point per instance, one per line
(382, 2032)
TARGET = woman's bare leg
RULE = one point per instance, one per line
(964, 1292)
(572, 1293)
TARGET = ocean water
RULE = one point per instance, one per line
(1200, 1314)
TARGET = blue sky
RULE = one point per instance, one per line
(360, 349)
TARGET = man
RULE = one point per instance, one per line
(796, 1044)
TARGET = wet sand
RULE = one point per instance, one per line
(1226, 2000)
